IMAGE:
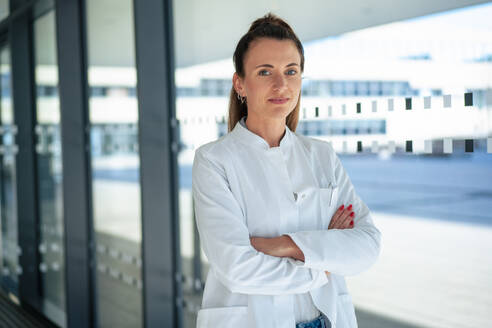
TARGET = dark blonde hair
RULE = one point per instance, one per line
(268, 26)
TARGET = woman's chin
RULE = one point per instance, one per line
(275, 112)
(283, 112)
(280, 110)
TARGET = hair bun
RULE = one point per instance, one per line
(269, 20)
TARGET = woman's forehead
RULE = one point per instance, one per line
(273, 52)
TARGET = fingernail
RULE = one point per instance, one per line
(341, 208)
(350, 207)
(352, 214)
(352, 222)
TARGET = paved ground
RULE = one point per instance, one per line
(435, 214)
(457, 188)
(430, 273)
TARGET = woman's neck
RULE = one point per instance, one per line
(271, 130)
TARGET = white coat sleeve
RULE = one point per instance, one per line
(342, 251)
(225, 240)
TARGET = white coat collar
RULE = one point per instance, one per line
(249, 138)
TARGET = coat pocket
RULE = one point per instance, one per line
(328, 198)
(345, 312)
(222, 317)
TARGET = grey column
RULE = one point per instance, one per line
(77, 208)
(24, 118)
(158, 163)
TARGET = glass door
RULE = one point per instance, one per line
(49, 165)
(115, 163)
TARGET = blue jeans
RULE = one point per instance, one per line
(319, 322)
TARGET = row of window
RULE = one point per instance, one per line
(341, 127)
(318, 127)
(222, 88)
(95, 91)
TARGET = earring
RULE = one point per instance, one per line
(241, 99)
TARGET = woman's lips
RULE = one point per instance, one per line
(278, 100)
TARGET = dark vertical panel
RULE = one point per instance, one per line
(469, 145)
(359, 146)
(468, 99)
(158, 162)
(409, 146)
(359, 108)
(24, 118)
(70, 28)
(408, 103)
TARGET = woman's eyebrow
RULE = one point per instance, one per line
(271, 66)
(264, 65)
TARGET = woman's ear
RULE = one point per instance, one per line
(237, 83)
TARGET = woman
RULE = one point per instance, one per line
(269, 203)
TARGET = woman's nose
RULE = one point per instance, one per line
(279, 81)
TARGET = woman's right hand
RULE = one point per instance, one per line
(342, 219)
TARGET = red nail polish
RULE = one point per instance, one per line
(350, 207)
(352, 214)
(352, 222)
(341, 208)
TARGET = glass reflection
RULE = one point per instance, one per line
(115, 162)
(4, 9)
(10, 268)
(49, 169)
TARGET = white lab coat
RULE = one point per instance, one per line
(242, 188)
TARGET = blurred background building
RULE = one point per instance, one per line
(103, 103)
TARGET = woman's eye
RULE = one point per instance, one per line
(264, 72)
(291, 72)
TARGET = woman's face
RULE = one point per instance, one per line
(272, 78)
